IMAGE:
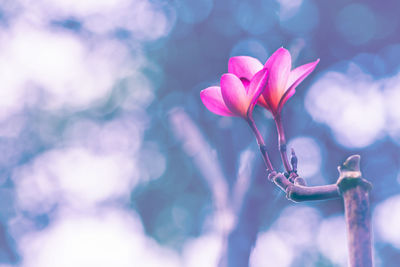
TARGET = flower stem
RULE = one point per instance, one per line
(282, 143)
(261, 144)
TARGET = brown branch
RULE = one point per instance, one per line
(298, 192)
(355, 193)
(350, 186)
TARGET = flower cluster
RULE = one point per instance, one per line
(249, 82)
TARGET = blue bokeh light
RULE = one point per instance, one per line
(250, 47)
(357, 23)
(256, 17)
(192, 11)
(303, 21)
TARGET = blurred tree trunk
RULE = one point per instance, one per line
(242, 238)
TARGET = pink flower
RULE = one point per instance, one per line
(282, 81)
(239, 89)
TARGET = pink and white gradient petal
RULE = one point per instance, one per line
(295, 78)
(234, 95)
(299, 72)
(244, 66)
(257, 85)
(279, 65)
(212, 99)
(262, 102)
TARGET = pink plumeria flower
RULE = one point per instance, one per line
(239, 89)
(282, 81)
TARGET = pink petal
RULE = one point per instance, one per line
(288, 94)
(261, 101)
(256, 87)
(244, 66)
(295, 78)
(234, 95)
(246, 83)
(212, 99)
(300, 71)
(279, 65)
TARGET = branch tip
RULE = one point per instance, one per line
(352, 163)
(350, 168)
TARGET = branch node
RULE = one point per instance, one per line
(293, 161)
(271, 175)
(289, 193)
(263, 148)
(282, 147)
(347, 183)
(299, 181)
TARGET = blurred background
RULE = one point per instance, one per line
(109, 158)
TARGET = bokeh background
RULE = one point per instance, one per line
(109, 159)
